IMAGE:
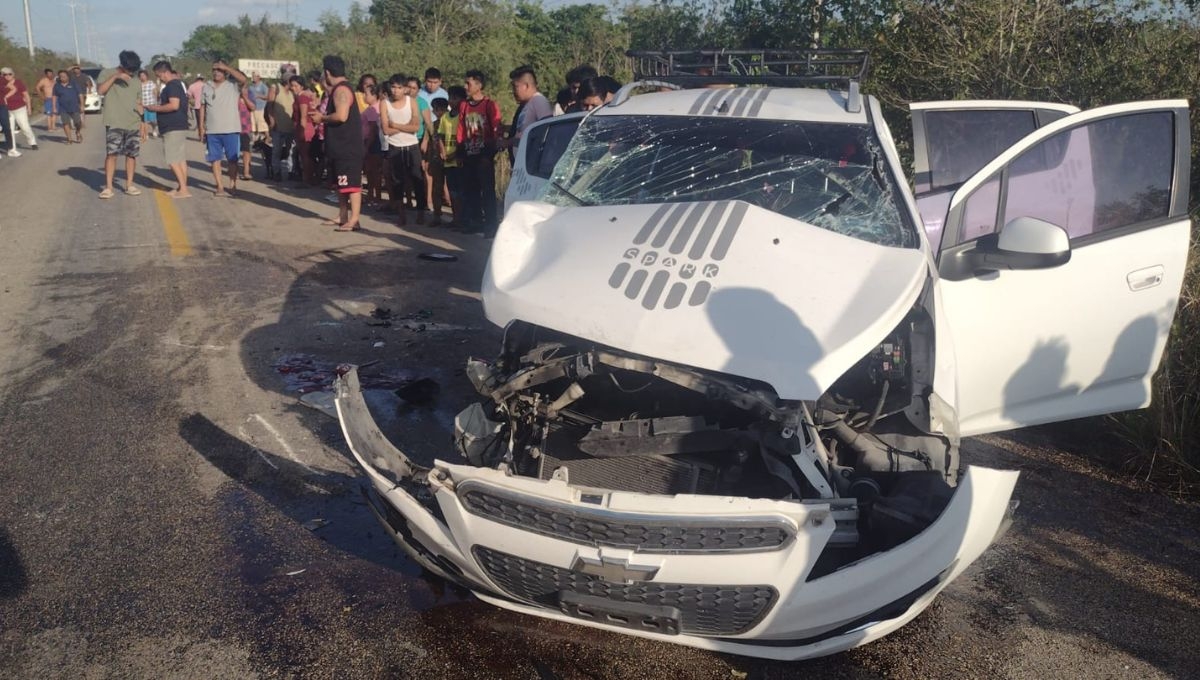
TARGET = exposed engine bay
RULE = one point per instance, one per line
(562, 408)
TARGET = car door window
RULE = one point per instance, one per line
(1108, 174)
(547, 145)
(967, 140)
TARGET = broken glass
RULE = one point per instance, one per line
(829, 175)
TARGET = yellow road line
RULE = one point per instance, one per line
(172, 225)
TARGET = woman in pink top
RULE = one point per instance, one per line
(195, 94)
(372, 141)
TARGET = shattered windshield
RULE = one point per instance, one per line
(826, 174)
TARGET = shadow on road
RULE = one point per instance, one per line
(313, 498)
(13, 578)
(92, 179)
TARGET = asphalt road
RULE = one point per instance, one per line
(168, 508)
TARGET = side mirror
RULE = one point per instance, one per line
(1024, 243)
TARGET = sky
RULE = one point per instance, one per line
(155, 28)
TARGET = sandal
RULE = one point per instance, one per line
(133, 191)
(107, 193)
(343, 227)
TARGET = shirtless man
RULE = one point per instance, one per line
(45, 90)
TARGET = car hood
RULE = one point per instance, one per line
(723, 286)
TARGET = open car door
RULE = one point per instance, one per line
(952, 140)
(543, 144)
(1061, 266)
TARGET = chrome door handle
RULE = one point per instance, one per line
(1142, 279)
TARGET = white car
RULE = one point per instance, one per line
(93, 101)
(738, 360)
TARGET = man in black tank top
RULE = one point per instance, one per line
(344, 148)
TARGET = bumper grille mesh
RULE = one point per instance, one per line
(703, 609)
(652, 535)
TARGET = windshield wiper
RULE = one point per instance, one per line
(573, 197)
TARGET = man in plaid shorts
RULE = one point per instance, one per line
(122, 119)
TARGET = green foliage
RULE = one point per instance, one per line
(29, 70)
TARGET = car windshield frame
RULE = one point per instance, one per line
(831, 175)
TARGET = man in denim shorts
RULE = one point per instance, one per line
(221, 123)
(122, 120)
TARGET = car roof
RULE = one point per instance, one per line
(768, 103)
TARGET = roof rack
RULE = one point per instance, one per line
(841, 68)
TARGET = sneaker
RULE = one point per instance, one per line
(13, 153)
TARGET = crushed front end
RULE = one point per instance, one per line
(611, 490)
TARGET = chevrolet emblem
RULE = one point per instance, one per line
(614, 569)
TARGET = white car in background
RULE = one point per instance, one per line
(93, 101)
(740, 353)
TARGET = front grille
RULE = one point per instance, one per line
(645, 534)
(703, 609)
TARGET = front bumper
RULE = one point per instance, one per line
(722, 573)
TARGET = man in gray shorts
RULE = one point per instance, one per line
(122, 118)
(173, 124)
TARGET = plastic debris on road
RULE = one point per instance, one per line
(438, 257)
(305, 373)
(321, 401)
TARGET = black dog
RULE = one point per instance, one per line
(264, 150)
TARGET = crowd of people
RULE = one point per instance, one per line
(425, 145)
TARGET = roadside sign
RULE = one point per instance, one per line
(267, 68)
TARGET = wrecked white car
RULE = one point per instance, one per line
(738, 360)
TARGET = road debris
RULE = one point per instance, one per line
(320, 401)
(305, 373)
(314, 524)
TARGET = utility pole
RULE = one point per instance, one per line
(74, 28)
(28, 30)
(87, 32)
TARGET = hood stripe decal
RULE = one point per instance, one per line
(651, 223)
(700, 101)
(654, 277)
(700, 246)
(700, 293)
(685, 233)
(657, 284)
(618, 275)
(668, 225)
(720, 101)
(736, 101)
(635, 283)
(731, 227)
(751, 93)
(758, 102)
(675, 296)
